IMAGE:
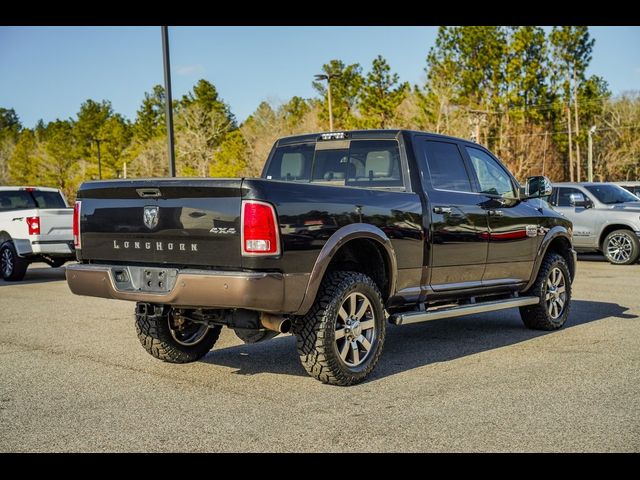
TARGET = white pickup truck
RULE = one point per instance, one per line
(36, 225)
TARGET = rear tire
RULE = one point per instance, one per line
(621, 247)
(162, 339)
(553, 287)
(12, 267)
(340, 339)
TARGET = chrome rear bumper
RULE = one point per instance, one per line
(262, 291)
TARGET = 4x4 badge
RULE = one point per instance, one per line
(223, 230)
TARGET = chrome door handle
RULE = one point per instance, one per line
(496, 213)
(441, 209)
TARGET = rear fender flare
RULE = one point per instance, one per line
(331, 247)
(22, 246)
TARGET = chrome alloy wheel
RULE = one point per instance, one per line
(355, 329)
(619, 248)
(556, 293)
(185, 332)
(7, 262)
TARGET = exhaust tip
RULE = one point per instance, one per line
(276, 323)
(285, 326)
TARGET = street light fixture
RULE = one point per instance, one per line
(321, 77)
(168, 100)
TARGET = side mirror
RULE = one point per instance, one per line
(537, 187)
(578, 200)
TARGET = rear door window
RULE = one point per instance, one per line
(562, 200)
(446, 167)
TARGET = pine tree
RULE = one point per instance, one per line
(59, 165)
(381, 95)
(230, 160)
(24, 163)
(10, 128)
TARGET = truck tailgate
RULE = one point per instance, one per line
(56, 224)
(162, 221)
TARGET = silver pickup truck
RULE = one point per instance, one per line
(605, 217)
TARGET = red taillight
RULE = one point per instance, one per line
(259, 229)
(76, 224)
(33, 223)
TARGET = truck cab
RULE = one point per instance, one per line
(343, 233)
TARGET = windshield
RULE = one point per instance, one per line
(611, 194)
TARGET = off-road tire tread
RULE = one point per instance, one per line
(536, 316)
(316, 355)
(154, 335)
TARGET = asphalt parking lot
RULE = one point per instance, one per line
(73, 377)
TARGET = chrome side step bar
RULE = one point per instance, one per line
(417, 317)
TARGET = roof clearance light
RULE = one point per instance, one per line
(333, 136)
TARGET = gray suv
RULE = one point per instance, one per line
(605, 217)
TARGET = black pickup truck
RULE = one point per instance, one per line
(344, 232)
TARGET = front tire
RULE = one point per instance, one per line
(12, 267)
(553, 287)
(340, 339)
(174, 340)
(621, 247)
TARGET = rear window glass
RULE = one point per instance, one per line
(374, 163)
(16, 200)
(366, 163)
(48, 199)
(330, 166)
(292, 163)
(22, 200)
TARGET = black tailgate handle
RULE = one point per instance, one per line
(149, 192)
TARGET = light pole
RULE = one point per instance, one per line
(169, 105)
(592, 130)
(98, 140)
(320, 77)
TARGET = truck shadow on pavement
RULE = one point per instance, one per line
(38, 275)
(412, 346)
